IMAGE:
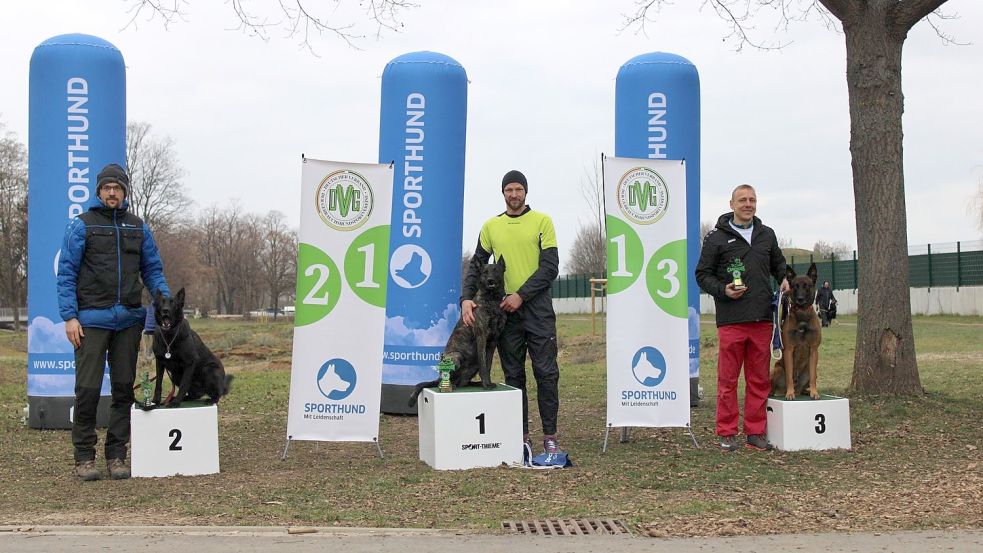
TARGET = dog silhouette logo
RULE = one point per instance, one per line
(410, 266)
(649, 366)
(336, 379)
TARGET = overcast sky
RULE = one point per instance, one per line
(540, 99)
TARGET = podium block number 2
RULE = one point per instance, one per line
(176, 434)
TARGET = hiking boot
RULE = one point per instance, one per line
(117, 469)
(86, 471)
(550, 444)
(728, 443)
(758, 441)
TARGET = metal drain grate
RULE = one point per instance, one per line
(566, 527)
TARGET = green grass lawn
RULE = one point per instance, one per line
(915, 462)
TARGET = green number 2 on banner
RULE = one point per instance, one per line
(313, 297)
(318, 284)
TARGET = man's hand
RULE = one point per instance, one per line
(784, 286)
(733, 293)
(467, 312)
(511, 303)
(73, 329)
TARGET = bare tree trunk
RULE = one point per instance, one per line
(885, 354)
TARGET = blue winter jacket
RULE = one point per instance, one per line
(97, 264)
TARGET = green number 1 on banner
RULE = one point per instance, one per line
(621, 269)
(369, 251)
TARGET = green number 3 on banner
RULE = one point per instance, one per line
(318, 285)
(666, 279)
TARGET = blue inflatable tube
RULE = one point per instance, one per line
(657, 116)
(77, 125)
(422, 131)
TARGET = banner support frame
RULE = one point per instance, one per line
(286, 447)
(626, 432)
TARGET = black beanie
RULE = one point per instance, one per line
(113, 173)
(515, 176)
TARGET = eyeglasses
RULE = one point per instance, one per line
(112, 188)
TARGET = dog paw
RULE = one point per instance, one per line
(789, 395)
(488, 385)
(814, 394)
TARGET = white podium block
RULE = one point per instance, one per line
(171, 441)
(806, 423)
(470, 427)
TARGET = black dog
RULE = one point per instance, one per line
(471, 347)
(192, 367)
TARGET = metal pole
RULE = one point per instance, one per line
(959, 266)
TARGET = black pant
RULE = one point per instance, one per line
(122, 347)
(513, 344)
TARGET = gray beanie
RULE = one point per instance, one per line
(113, 173)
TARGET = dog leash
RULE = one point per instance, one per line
(776, 327)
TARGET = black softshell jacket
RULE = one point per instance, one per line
(763, 260)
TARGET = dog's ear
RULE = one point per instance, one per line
(789, 273)
(179, 297)
(501, 262)
(813, 274)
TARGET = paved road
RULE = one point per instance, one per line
(72, 539)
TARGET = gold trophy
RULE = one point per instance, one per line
(736, 268)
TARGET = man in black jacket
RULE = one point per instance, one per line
(826, 304)
(527, 241)
(739, 258)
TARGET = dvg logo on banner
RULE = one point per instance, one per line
(649, 366)
(344, 200)
(410, 266)
(643, 195)
(336, 379)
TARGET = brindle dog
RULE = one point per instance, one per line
(801, 335)
(471, 347)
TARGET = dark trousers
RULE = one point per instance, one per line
(122, 347)
(513, 344)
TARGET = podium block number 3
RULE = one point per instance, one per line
(176, 434)
(820, 423)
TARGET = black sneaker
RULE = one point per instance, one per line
(758, 441)
(728, 443)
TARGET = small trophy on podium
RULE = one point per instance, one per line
(145, 391)
(736, 268)
(445, 367)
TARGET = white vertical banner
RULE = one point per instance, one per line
(342, 270)
(647, 327)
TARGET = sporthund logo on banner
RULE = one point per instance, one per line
(344, 200)
(643, 195)
(649, 368)
(336, 380)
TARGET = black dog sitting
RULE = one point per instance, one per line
(192, 367)
(471, 347)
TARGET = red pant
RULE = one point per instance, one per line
(747, 344)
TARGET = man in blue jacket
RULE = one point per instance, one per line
(105, 255)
